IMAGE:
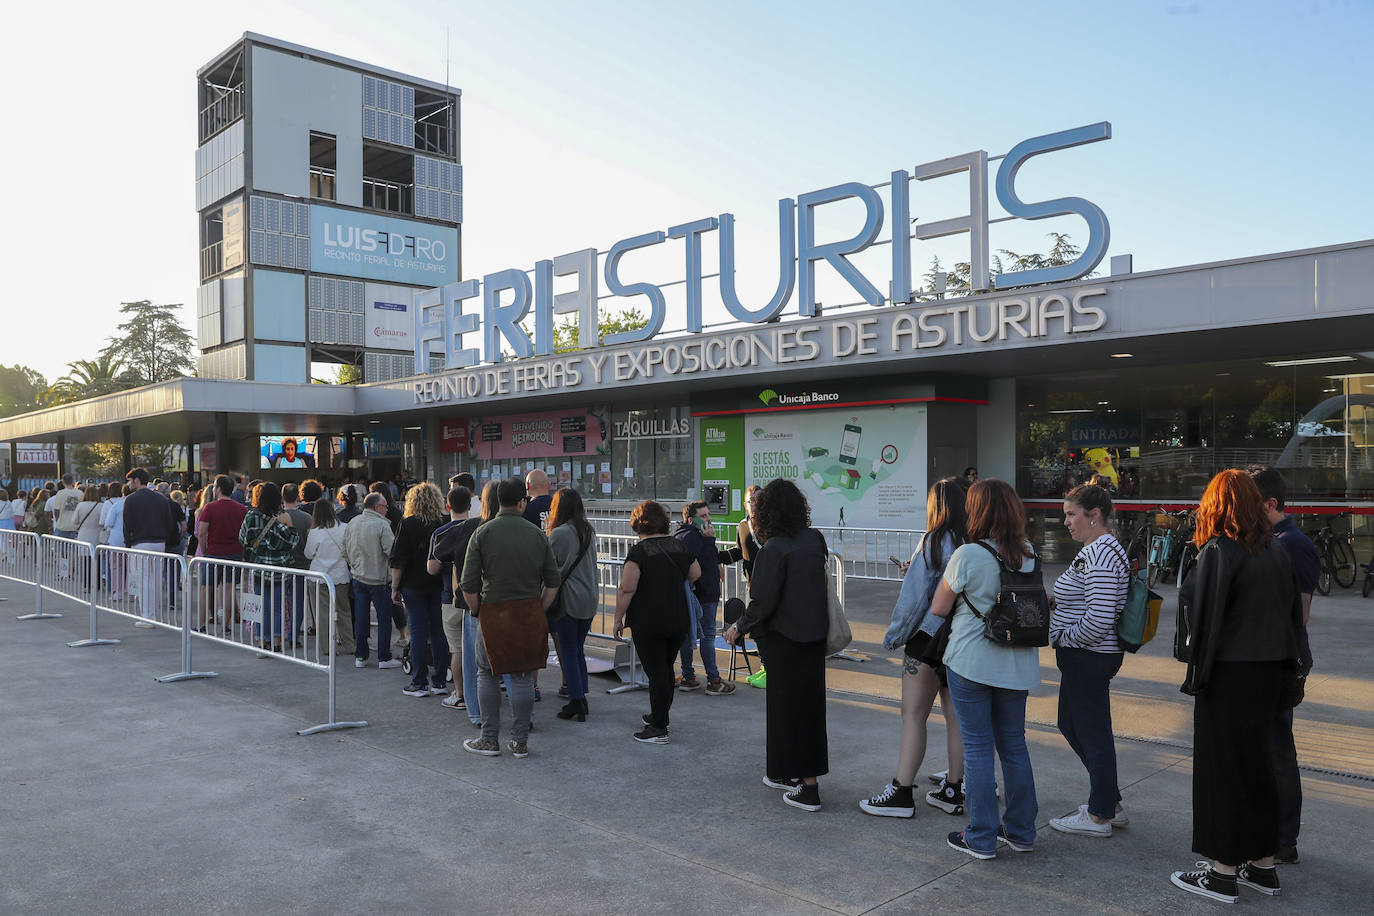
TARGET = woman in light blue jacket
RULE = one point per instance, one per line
(918, 633)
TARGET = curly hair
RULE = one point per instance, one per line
(783, 511)
(425, 502)
(1232, 508)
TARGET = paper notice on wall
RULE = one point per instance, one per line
(529, 466)
(591, 470)
(629, 473)
(735, 504)
(715, 463)
(605, 467)
(567, 466)
(550, 469)
(606, 488)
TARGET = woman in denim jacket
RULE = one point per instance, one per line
(914, 630)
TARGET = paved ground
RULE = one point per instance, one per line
(124, 795)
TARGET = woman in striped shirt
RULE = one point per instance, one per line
(1088, 599)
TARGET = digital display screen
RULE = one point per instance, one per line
(300, 452)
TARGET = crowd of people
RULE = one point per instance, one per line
(476, 584)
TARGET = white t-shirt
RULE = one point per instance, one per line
(284, 462)
(65, 504)
(17, 508)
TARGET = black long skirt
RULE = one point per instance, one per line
(1235, 788)
(795, 700)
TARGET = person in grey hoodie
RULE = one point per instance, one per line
(574, 549)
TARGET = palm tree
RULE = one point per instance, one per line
(89, 378)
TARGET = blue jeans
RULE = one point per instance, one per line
(366, 597)
(993, 719)
(572, 637)
(273, 595)
(1085, 720)
(428, 644)
(471, 636)
(706, 640)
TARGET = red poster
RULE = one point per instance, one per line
(453, 437)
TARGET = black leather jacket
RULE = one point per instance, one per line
(789, 591)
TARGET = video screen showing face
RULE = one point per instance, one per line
(299, 452)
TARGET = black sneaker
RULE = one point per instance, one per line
(787, 785)
(651, 735)
(1287, 855)
(1205, 882)
(415, 690)
(805, 797)
(649, 721)
(894, 801)
(956, 841)
(1013, 845)
(949, 798)
(1264, 880)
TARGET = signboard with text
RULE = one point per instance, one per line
(539, 435)
(375, 247)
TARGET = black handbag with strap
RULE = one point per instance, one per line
(555, 610)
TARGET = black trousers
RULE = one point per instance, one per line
(1289, 779)
(1235, 788)
(795, 702)
(656, 655)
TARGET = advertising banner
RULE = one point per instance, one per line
(722, 467)
(859, 468)
(375, 247)
(37, 456)
(577, 431)
(453, 437)
(387, 323)
(233, 234)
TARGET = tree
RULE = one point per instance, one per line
(348, 374)
(21, 390)
(1062, 252)
(152, 343)
(565, 333)
(89, 378)
(957, 279)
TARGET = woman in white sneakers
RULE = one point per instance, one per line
(1088, 599)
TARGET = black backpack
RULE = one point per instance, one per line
(1021, 615)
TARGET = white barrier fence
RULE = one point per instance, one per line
(867, 552)
(19, 560)
(271, 611)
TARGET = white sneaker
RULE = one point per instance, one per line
(1081, 823)
(389, 663)
(145, 625)
(359, 663)
(455, 701)
(1120, 819)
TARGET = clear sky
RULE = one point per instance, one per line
(1239, 128)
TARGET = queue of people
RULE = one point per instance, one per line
(481, 595)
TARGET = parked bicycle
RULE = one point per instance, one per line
(1336, 556)
(1172, 552)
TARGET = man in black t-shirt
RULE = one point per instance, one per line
(447, 548)
(537, 509)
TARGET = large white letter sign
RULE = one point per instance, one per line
(658, 307)
(808, 252)
(976, 223)
(1099, 233)
(499, 320)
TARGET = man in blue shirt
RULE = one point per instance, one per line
(1303, 555)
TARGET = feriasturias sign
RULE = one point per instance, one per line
(508, 297)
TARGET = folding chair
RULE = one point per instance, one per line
(734, 609)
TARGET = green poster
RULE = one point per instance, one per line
(722, 467)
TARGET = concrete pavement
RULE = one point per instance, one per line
(125, 795)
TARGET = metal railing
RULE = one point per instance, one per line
(322, 182)
(380, 194)
(19, 559)
(263, 610)
(867, 552)
(211, 260)
(223, 111)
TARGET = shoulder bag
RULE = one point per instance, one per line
(1021, 615)
(838, 634)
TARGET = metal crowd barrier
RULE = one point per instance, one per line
(19, 560)
(626, 660)
(68, 568)
(149, 588)
(867, 552)
(266, 610)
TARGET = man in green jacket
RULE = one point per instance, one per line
(508, 559)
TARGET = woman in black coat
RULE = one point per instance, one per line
(1238, 631)
(788, 617)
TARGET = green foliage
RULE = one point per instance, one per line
(958, 279)
(565, 333)
(21, 390)
(89, 378)
(151, 343)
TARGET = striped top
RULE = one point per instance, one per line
(1089, 597)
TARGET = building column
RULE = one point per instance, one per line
(14, 463)
(62, 466)
(126, 450)
(190, 461)
(221, 445)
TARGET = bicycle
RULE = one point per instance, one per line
(1171, 550)
(1336, 557)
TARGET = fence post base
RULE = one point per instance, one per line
(329, 727)
(184, 676)
(38, 615)
(83, 643)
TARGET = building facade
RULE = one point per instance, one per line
(328, 190)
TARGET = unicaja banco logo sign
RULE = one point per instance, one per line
(767, 395)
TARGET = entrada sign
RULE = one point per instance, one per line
(508, 297)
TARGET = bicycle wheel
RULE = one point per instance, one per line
(1343, 563)
(1324, 577)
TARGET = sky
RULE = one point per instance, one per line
(1238, 129)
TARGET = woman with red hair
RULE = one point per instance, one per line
(1239, 618)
